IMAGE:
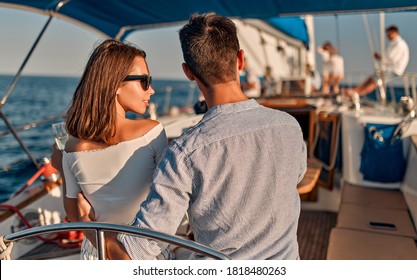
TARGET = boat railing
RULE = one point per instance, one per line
(168, 91)
(101, 228)
(409, 80)
(33, 124)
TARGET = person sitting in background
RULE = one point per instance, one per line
(269, 84)
(333, 68)
(110, 158)
(250, 83)
(312, 78)
(396, 60)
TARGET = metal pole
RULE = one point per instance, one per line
(19, 140)
(381, 80)
(10, 89)
(382, 36)
(101, 245)
(19, 72)
(16, 78)
(263, 45)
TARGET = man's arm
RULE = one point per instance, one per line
(165, 207)
(114, 248)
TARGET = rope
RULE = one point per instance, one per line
(24, 220)
(63, 240)
(337, 33)
(370, 41)
(380, 82)
(5, 250)
(332, 160)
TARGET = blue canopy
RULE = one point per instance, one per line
(117, 18)
(292, 26)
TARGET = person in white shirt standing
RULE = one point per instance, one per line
(396, 60)
(333, 68)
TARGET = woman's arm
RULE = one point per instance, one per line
(71, 208)
(70, 204)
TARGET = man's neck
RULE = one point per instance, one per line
(224, 93)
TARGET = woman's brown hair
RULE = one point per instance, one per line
(92, 114)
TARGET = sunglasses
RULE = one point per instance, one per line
(145, 80)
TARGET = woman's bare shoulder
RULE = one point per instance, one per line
(138, 128)
(74, 144)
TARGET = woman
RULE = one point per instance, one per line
(333, 68)
(108, 157)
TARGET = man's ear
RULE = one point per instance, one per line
(240, 59)
(188, 72)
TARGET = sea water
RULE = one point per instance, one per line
(35, 98)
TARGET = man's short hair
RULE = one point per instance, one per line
(210, 47)
(392, 28)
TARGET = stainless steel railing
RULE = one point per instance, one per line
(100, 228)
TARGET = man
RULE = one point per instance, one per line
(396, 61)
(235, 172)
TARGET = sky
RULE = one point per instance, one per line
(66, 47)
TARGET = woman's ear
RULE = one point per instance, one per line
(188, 72)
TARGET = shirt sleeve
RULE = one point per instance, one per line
(325, 55)
(165, 206)
(303, 165)
(159, 145)
(71, 184)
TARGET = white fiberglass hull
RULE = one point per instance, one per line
(38, 207)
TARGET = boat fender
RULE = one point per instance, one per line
(48, 172)
(70, 239)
